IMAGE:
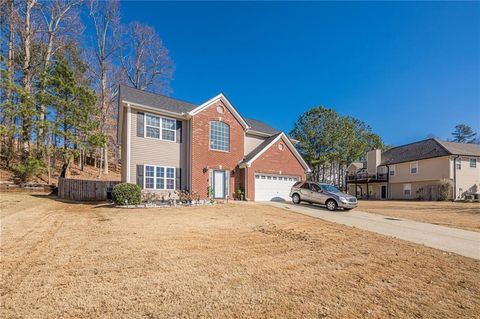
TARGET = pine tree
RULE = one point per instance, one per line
(72, 105)
(464, 134)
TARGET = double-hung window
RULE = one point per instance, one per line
(473, 163)
(407, 189)
(160, 127)
(413, 167)
(458, 163)
(392, 170)
(159, 177)
(219, 136)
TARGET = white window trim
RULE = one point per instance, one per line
(409, 188)
(393, 169)
(160, 128)
(210, 137)
(155, 177)
(411, 166)
(470, 162)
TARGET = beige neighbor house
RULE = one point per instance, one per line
(420, 170)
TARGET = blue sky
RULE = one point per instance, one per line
(407, 69)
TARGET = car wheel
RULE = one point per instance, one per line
(296, 199)
(331, 205)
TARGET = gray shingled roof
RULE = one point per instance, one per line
(154, 100)
(259, 148)
(260, 126)
(461, 148)
(166, 103)
(427, 149)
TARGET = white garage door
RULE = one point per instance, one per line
(273, 187)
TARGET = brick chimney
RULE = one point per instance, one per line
(374, 157)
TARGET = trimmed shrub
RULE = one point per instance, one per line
(127, 194)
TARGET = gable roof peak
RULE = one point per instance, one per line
(227, 103)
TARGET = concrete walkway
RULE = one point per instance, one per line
(462, 242)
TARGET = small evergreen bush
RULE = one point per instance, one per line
(24, 171)
(127, 194)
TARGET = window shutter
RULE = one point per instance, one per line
(140, 124)
(140, 176)
(179, 131)
(178, 178)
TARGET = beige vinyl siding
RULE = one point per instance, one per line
(158, 152)
(468, 178)
(251, 142)
(430, 190)
(427, 170)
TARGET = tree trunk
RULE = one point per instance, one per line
(100, 164)
(10, 119)
(65, 168)
(42, 115)
(27, 77)
(105, 159)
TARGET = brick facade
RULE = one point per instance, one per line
(205, 159)
(273, 161)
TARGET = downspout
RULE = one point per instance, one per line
(247, 189)
(455, 178)
(388, 182)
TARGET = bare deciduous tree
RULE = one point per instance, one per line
(145, 60)
(60, 20)
(27, 33)
(105, 18)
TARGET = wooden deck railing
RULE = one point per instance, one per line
(380, 177)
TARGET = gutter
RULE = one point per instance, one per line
(157, 111)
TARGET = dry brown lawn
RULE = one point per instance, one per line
(451, 214)
(65, 260)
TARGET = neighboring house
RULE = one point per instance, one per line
(209, 149)
(417, 171)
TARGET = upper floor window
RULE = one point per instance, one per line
(473, 163)
(382, 170)
(392, 170)
(413, 167)
(458, 163)
(219, 136)
(160, 127)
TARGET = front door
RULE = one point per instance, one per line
(219, 184)
(384, 192)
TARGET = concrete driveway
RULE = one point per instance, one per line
(462, 242)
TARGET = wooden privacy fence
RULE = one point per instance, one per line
(83, 190)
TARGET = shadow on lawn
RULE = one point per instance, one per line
(97, 204)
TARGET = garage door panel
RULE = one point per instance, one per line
(273, 187)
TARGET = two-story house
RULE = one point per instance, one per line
(210, 149)
(416, 170)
